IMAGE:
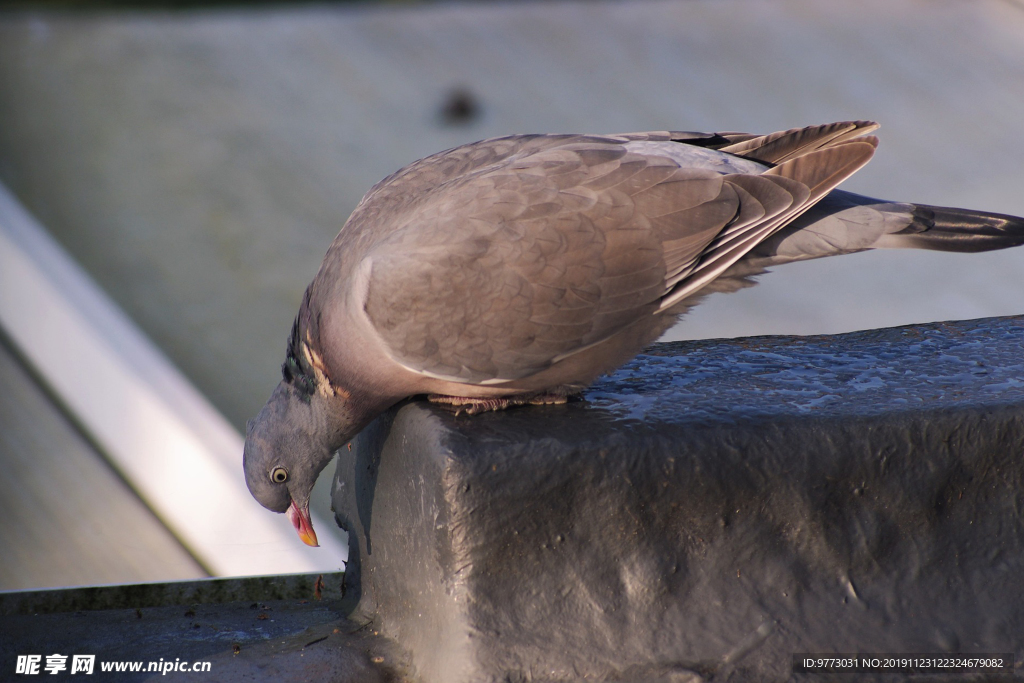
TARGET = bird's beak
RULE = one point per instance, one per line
(299, 517)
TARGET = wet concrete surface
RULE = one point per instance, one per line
(706, 512)
(937, 366)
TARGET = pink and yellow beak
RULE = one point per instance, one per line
(299, 517)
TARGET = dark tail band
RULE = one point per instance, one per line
(962, 230)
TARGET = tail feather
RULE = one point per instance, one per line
(942, 228)
(844, 223)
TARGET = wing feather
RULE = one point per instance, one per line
(808, 179)
(790, 144)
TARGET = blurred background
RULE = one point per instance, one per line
(195, 161)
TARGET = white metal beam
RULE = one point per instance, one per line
(167, 440)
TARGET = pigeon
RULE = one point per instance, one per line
(519, 269)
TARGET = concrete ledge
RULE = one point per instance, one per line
(710, 510)
(267, 628)
(161, 594)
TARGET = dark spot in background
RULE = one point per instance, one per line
(460, 107)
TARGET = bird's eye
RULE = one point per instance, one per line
(279, 475)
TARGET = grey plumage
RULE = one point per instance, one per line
(522, 268)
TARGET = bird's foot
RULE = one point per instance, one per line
(475, 406)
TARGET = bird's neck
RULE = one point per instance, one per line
(344, 415)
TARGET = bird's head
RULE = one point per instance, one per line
(307, 418)
(289, 443)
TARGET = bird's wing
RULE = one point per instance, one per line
(501, 271)
(808, 178)
(402, 187)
